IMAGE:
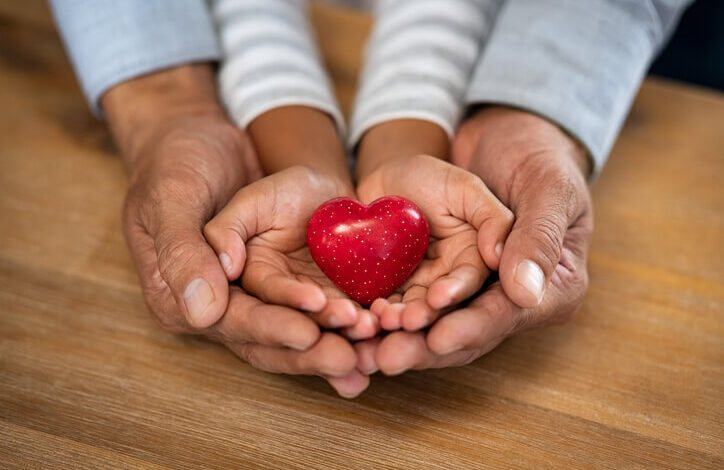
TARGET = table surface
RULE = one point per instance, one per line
(88, 380)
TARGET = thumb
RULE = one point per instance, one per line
(188, 265)
(490, 218)
(252, 212)
(544, 209)
(230, 230)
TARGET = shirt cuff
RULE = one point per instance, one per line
(111, 41)
(578, 64)
(418, 62)
(270, 60)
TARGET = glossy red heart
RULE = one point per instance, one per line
(368, 251)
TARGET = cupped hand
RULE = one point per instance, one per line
(261, 237)
(185, 162)
(540, 173)
(468, 228)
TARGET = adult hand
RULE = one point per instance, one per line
(468, 227)
(540, 173)
(185, 162)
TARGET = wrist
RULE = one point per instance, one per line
(400, 138)
(140, 109)
(528, 131)
(298, 135)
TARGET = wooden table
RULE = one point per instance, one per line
(88, 381)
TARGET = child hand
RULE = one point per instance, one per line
(468, 227)
(261, 236)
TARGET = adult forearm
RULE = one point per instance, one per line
(140, 108)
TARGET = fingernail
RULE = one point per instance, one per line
(499, 250)
(298, 347)
(530, 275)
(225, 261)
(197, 297)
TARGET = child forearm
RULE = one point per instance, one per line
(400, 138)
(299, 135)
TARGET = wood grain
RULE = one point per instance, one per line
(88, 381)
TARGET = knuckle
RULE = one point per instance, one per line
(161, 305)
(173, 256)
(470, 356)
(584, 281)
(303, 363)
(506, 216)
(523, 320)
(575, 294)
(169, 323)
(250, 355)
(547, 235)
(131, 212)
(212, 228)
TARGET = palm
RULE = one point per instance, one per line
(270, 218)
(452, 255)
(280, 269)
(267, 260)
(453, 268)
(443, 254)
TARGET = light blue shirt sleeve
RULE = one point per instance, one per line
(576, 63)
(110, 41)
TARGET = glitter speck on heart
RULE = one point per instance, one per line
(387, 240)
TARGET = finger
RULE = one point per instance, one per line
(351, 385)
(493, 316)
(391, 317)
(248, 320)
(331, 356)
(545, 209)
(187, 264)
(399, 350)
(366, 351)
(366, 327)
(229, 246)
(485, 213)
(481, 325)
(230, 230)
(402, 350)
(338, 313)
(416, 312)
(378, 306)
(266, 205)
(156, 293)
(466, 277)
(270, 284)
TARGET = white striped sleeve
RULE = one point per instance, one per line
(418, 61)
(270, 59)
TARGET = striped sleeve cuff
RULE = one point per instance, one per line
(270, 60)
(113, 41)
(418, 62)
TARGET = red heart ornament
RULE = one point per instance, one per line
(368, 251)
